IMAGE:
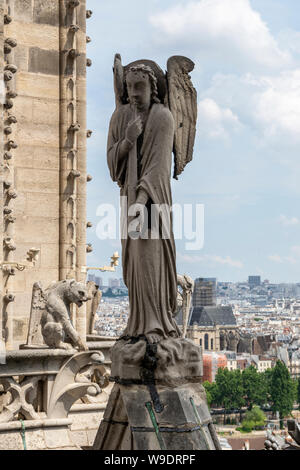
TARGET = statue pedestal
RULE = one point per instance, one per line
(158, 402)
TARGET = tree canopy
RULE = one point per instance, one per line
(282, 390)
(235, 389)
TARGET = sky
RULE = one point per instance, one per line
(246, 166)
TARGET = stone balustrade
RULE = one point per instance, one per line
(52, 398)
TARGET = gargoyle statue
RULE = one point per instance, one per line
(54, 304)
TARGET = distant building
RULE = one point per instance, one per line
(212, 361)
(205, 292)
(113, 283)
(214, 328)
(261, 363)
(254, 281)
(231, 360)
(91, 277)
(99, 281)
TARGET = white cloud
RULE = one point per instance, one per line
(269, 105)
(230, 28)
(278, 104)
(288, 221)
(275, 258)
(211, 259)
(290, 40)
(214, 121)
(292, 258)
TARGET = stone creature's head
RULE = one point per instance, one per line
(77, 292)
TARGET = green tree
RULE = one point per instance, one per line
(255, 389)
(229, 389)
(298, 392)
(295, 390)
(267, 380)
(282, 391)
(253, 418)
(211, 390)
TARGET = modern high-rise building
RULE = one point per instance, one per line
(99, 281)
(254, 281)
(113, 282)
(205, 292)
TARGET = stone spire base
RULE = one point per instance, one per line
(158, 402)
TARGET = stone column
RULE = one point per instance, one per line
(73, 147)
(81, 161)
(1, 159)
(9, 178)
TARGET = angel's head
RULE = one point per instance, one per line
(141, 85)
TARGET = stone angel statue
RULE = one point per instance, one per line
(155, 116)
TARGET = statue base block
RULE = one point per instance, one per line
(158, 402)
(131, 422)
(171, 362)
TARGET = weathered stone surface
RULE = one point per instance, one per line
(35, 439)
(20, 328)
(184, 423)
(48, 229)
(32, 35)
(82, 17)
(11, 441)
(21, 58)
(178, 361)
(84, 420)
(79, 438)
(81, 65)
(43, 61)
(38, 134)
(46, 181)
(48, 202)
(50, 255)
(38, 86)
(45, 111)
(23, 109)
(46, 11)
(55, 438)
(91, 436)
(23, 10)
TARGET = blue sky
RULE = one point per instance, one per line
(246, 167)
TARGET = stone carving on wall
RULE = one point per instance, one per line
(20, 400)
(82, 376)
(73, 382)
(184, 299)
(229, 340)
(50, 315)
(233, 338)
(94, 295)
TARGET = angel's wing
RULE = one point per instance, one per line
(183, 106)
(118, 80)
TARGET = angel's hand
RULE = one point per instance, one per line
(136, 227)
(134, 130)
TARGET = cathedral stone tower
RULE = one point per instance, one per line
(43, 155)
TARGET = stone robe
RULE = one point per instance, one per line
(149, 265)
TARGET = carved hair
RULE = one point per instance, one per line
(153, 80)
